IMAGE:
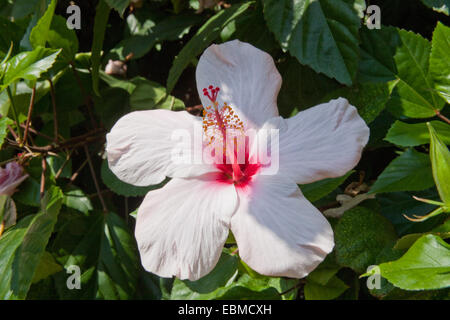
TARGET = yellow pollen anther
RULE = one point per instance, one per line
(216, 120)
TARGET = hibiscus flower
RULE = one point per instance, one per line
(182, 227)
(10, 177)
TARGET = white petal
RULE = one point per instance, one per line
(278, 232)
(247, 78)
(325, 141)
(141, 144)
(181, 228)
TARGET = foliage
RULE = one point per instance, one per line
(57, 102)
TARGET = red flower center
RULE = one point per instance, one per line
(240, 175)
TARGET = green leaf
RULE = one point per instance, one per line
(413, 96)
(4, 122)
(23, 8)
(440, 163)
(425, 266)
(37, 9)
(401, 58)
(134, 213)
(11, 33)
(411, 171)
(396, 204)
(415, 134)
(223, 272)
(150, 286)
(245, 286)
(22, 247)
(443, 230)
(360, 236)
(387, 255)
(59, 36)
(442, 6)
(76, 199)
(225, 282)
(100, 23)
(322, 283)
(149, 95)
(43, 290)
(369, 98)
(440, 60)
(243, 29)
(179, 5)
(118, 5)
(322, 34)
(325, 271)
(204, 36)
(29, 193)
(102, 246)
(378, 48)
(22, 94)
(28, 65)
(47, 266)
(39, 34)
(6, 58)
(243, 267)
(317, 190)
(254, 289)
(8, 211)
(331, 290)
(111, 106)
(114, 82)
(122, 188)
(56, 163)
(404, 243)
(143, 38)
(301, 88)
(287, 288)
(3, 201)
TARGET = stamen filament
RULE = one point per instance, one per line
(237, 172)
(222, 119)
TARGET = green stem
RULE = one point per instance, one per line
(16, 118)
(436, 212)
(436, 203)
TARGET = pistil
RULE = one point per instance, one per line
(222, 120)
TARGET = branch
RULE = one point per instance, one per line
(91, 167)
(75, 175)
(38, 133)
(44, 169)
(442, 117)
(30, 111)
(67, 144)
(63, 165)
(55, 118)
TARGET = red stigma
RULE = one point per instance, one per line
(211, 93)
